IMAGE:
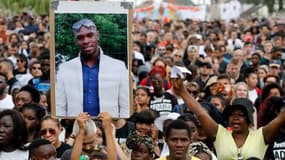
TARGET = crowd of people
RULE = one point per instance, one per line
(202, 90)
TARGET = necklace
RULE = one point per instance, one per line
(239, 155)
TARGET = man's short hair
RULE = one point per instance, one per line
(9, 63)
(83, 23)
(145, 117)
(36, 144)
(33, 91)
(177, 124)
(223, 76)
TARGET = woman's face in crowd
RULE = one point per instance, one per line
(50, 130)
(144, 128)
(141, 152)
(43, 101)
(99, 136)
(6, 130)
(36, 70)
(261, 73)
(25, 45)
(159, 63)
(21, 98)
(213, 89)
(21, 63)
(274, 92)
(241, 91)
(194, 131)
(142, 98)
(30, 119)
(237, 121)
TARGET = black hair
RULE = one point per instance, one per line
(189, 117)
(35, 94)
(24, 58)
(146, 89)
(36, 144)
(139, 44)
(44, 56)
(39, 112)
(20, 132)
(177, 124)
(145, 117)
(223, 76)
(256, 54)
(33, 63)
(248, 71)
(266, 90)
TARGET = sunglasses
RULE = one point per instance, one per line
(20, 60)
(38, 68)
(84, 22)
(50, 130)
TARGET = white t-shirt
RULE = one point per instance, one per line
(6, 103)
(252, 95)
(15, 155)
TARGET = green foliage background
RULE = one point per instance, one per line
(14, 7)
(112, 28)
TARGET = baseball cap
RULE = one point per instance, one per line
(240, 103)
(275, 63)
(192, 48)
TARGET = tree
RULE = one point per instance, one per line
(18, 6)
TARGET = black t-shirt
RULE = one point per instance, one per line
(61, 149)
(164, 104)
(276, 150)
(122, 133)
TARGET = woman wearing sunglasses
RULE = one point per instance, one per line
(50, 130)
(21, 72)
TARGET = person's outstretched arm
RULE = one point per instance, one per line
(107, 125)
(77, 147)
(271, 130)
(208, 124)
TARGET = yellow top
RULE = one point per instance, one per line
(164, 158)
(226, 148)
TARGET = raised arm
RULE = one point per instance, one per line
(111, 145)
(208, 124)
(77, 147)
(271, 130)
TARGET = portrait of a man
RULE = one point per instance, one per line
(92, 81)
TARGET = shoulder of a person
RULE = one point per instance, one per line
(111, 60)
(72, 61)
(66, 154)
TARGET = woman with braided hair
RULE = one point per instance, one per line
(200, 150)
(142, 146)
